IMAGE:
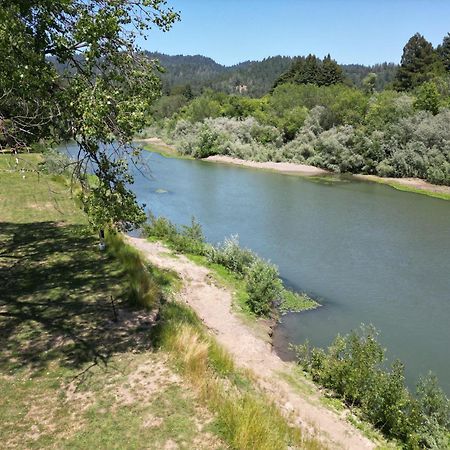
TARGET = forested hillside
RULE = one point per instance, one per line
(386, 120)
(258, 77)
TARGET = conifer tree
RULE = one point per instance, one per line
(444, 52)
(330, 72)
(417, 63)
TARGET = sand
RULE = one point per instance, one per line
(285, 167)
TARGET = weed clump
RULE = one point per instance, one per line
(144, 289)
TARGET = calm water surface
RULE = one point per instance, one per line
(369, 253)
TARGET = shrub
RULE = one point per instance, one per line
(353, 368)
(231, 255)
(55, 162)
(264, 287)
(190, 239)
(159, 227)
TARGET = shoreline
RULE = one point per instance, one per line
(283, 167)
(413, 185)
(290, 391)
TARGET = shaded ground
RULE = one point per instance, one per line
(55, 298)
(70, 375)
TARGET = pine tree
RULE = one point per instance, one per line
(444, 52)
(312, 70)
(417, 63)
(330, 72)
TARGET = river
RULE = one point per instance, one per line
(369, 253)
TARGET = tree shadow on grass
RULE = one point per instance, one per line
(55, 300)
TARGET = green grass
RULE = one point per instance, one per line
(230, 280)
(63, 359)
(73, 378)
(295, 302)
(402, 187)
(27, 196)
(297, 380)
(166, 151)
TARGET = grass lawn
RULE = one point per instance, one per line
(71, 376)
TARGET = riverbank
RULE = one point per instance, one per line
(93, 351)
(283, 167)
(293, 394)
(414, 185)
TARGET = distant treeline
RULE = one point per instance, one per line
(201, 73)
(313, 114)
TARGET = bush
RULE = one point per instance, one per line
(264, 287)
(353, 368)
(55, 162)
(159, 227)
(190, 239)
(334, 127)
(231, 255)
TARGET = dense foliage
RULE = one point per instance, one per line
(393, 133)
(313, 70)
(258, 77)
(103, 94)
(420, 62)
(353, 367)
(264, 287)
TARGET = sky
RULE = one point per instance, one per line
(352, 31)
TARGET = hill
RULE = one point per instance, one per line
(258, 77)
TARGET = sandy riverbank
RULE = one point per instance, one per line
(407, 184)
(285, 167)
(213, 305)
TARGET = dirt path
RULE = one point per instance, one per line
(213, 304)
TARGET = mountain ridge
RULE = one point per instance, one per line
(258, 76)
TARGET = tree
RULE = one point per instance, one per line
(417, 63)
(369, 83)
(330, 72)
(71, 69)
(444, 52)
(312, 70)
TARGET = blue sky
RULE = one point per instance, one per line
(353, 31)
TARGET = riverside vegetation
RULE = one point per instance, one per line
(313, 115)
(263, 293)
(352, 368)
(80, 372)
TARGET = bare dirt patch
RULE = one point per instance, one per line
(414, 183)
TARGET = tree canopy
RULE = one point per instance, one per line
(418, 62)
(444, 52)
(313, 70)
(102, 96)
